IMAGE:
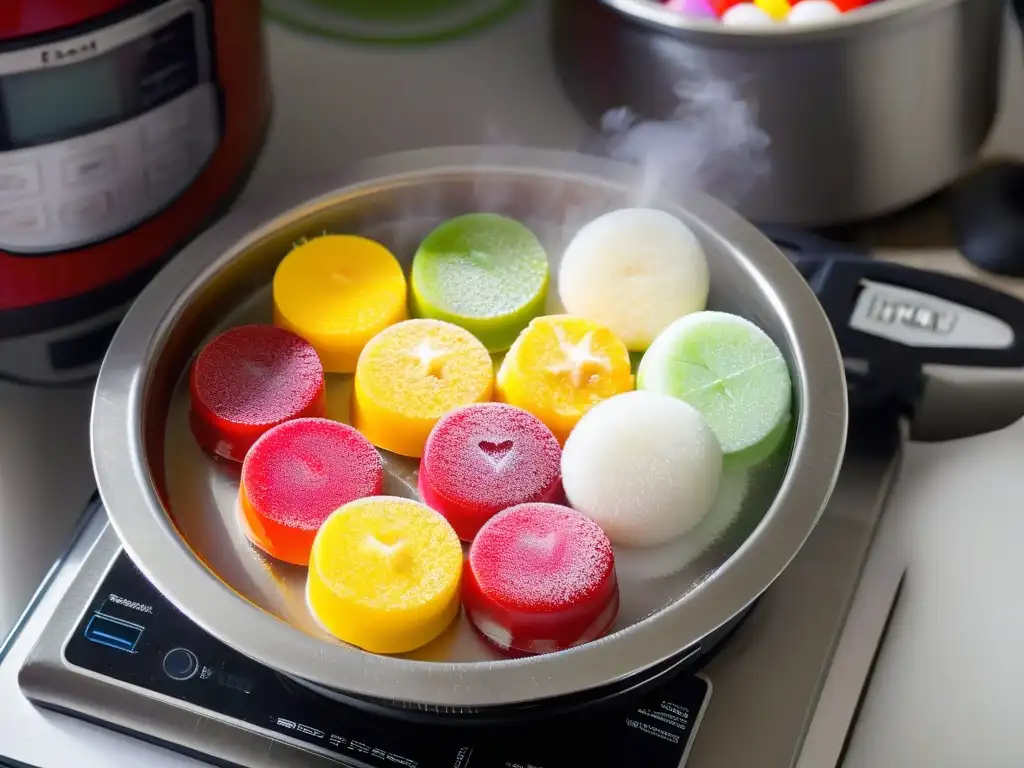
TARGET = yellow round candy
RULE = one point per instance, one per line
(412, 374)
(384, 574)
(337, 292)
(562, 366)
(777, 9)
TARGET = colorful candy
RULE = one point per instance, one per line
(560, 367)
(634, 270)
(540, 579)
(639, 564)
(728, 369)
(776, 9)
(483, 272)
(700, 9)
(296, 475)
(746, 15)
(811, 11)
(484, 458)
(248, 380)
(384, 574)
(721, 6)
(412, 374)
(337, 292)
(643, 466)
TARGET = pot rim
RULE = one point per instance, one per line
(142, 522)
(654, 14)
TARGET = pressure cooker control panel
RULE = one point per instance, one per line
(101, 131)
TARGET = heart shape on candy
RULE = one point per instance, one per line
(496, 453)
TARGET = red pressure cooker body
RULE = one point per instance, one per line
(83, 249)
(21, 18)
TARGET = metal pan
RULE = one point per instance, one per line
(175, 510)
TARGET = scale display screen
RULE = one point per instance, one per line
(57, 102)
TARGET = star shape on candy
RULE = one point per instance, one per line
(580, 361)
(431, 358)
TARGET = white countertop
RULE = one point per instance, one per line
(946, 692)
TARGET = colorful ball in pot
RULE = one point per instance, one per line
(813, 11)
(746, 15)
(698, 9)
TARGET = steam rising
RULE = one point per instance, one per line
(710, 142)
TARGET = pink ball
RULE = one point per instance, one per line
(696, 8)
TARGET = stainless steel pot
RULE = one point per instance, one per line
(174, 509)
(860, 116)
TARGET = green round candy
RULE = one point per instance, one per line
(778, 440)
(728, 369)
(484, 272)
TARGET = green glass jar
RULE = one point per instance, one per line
(395, 22)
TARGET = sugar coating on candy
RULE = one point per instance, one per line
(645, 467)
(634, 271)
(727, 368)
(413, 373)
(296, 475)
(640, 564)
(484, 272)
(384, 574)
(249, 379)
(561, 366)
(540, 578)
(484, 458)
(809, 11)
(337, 291)
(746, 14)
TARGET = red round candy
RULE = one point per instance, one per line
(721, 6)
(484, 458)
(247, 381)
(296, 475)
(540, 579)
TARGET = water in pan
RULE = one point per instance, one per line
(202, 493)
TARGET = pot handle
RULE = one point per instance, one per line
(948, 353)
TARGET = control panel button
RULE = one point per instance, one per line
(22, 220)
(180, 664)
(20, 179)
(166, 125)
(168, 169)
(88, 210)
(113, 632)
(88, 167)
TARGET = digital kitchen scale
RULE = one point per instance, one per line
(102, 655)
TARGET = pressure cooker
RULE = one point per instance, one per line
(126, 127)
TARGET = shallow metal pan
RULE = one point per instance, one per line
(175, 509)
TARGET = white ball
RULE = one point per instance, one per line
(746, 14)
(634, 270)
(640, 564)
(810, 11)
(643, 466)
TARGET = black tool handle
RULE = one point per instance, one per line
(949, 350)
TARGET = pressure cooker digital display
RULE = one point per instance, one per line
(101, 131)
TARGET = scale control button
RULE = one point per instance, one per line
(21, 220)
(180, 664)
(88, 210)
(88, 167)
(19, 179)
